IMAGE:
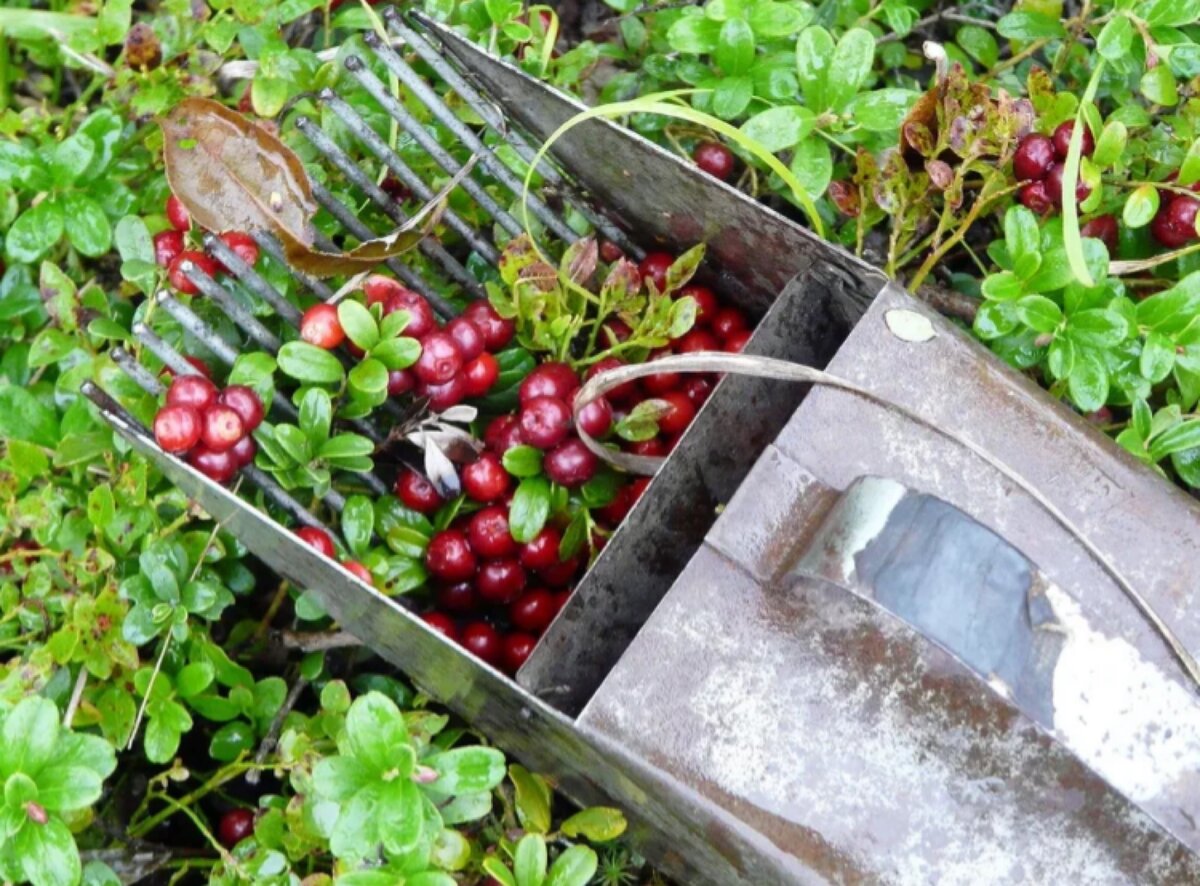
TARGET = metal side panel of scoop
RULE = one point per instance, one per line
(682, 832)
(652, 192)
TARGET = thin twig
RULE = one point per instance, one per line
(319, 641)
(76, 695)
(943, 16)
(271, 739)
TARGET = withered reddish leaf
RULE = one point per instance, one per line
(580, 259)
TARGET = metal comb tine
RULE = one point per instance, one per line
(232, 307)
(251, 279)
(429, 246)
(429, 144)
(271, 247)
(163, 351)
(404, 172)
(135, 370)
(419, 88)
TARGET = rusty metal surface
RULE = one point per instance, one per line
(654, 193)
(654, 542)
(851, 740)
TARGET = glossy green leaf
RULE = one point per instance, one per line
(1140, 206)
(308, 363)
(777, 129)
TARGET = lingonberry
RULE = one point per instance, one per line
(359, 571)
(660, 382)
(242, 245)
(395, 188)
(221, 428)
(1175, 224)
(560, 574)
(193, 391)
(517, 649)
(1034, 157)
(497, 331)
(697, 390)
(737, 342)
(485, 479)
(467, 336)
(440, 359)
(1103, 228)
(177, 428)
(481, 640)
(421, 321)
(542, 551)
(560, 600)
(442, 623)
(196, 363)
(1062, 139)
(697, 340)
(678, 414)
(178, 215)
(706, 301)
(715, 159)
(449, 556)
(378, 289)
(167, 246)
(551, 379)
(480, 374)
(236, 824)
(316, 538)
(655, 447)
(242, 400)
(320, 326)
(654, 267)
(417, 493)
(502, 434)
(442, 397)
(199, 260)
(217, 466)
(622, 394)
(728, 321)
(571, 463)
(1035, 197)
(616, 510)
(596, 417)
(458, 597)
(1054, 185)
(532, 611)
(401, 381)
(243, 451)
(617, 329)
(545, 422)
(610, 252)
(639, 486)
(500, 581)
(489, 534)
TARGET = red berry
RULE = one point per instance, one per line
(359, 571)
(395, 188)
(219, 467)
(532, 611)
(220, 428)
(737, 342)
(517, 649)
(497, 331)
(706, 301)
(728, 321)
(481, 640)
(1062, 140)
(610, 252)
(421, 321)
(1175, 224)
(458, 597)
(551, 379)
(489, 534)
(319, 539)
(715, 159)
(179, 280)
(193, 391)
(485, 479)
(545, 422)
(243, 451)
(1034, 196)
(401, 381)
(542, 551)
(697, 340)
(242, 245)
(449, 556)
(378, 289)
(661, 382)
(199, 365)
(617, 509)
(481, 374)
(678, 414)
(639, 486)
(467, 336)
(1103, 228)
(560, 574)
(596, 417)
(177, 428)
(1054, 184)
(618, 329)
(560, 600)
(697, 390)
(177, 214)
(242, 400)
(654, 267)
(167, 246)
(622, 394)
(236, 824)
(442, 623)
(1033, 158)
(500, 581)
(502, 434)
(440, 359)
(653, 447)
(571, 463)
(320, 326)
(442, 397)
(417, 493)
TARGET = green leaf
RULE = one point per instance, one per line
(345, 446)
(1183, 436)
(1054, 273)
(574, 867)
(522, 461)
(771, 19)
(1189, 170)
(47, 853)
(165, 566)
(339, 778)
(194, 678)
(1029, 26)
(1158, 85)
(735, 48)
(28, 736)
(358, 522)
(851, 67)
(397, 353)
(402, 817)
(530, 508)
(498, 871)
(161, 741)
(882, 110)
(308, 363)
(1170, 13)
(1110, 145)
(530, 860)
(1157, 358)
(356, 832)
(49, 346)
(1115, 39)
(1140, 206)
(87, 226)
(1003, 286)
(1039, 313)
(64, 788)
(694, 35)
(532, 799)
(468, 770)
(812, 164)
(359, 325)
(370, 377)
(133, 241)
(376, 735)
(1098, 328)
(732, 95)
(230, 740)
(316, 417)
(35, 231)
(1021, 233)
(70, 158)
(255, 370)
(814, 54)
(978, 43)
(777, 129)
(598, 824)
(1088, 382)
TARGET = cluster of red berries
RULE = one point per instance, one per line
(170, 249)
(457, 360)
(1040, 161)
(1174, 224)
(211, 427)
